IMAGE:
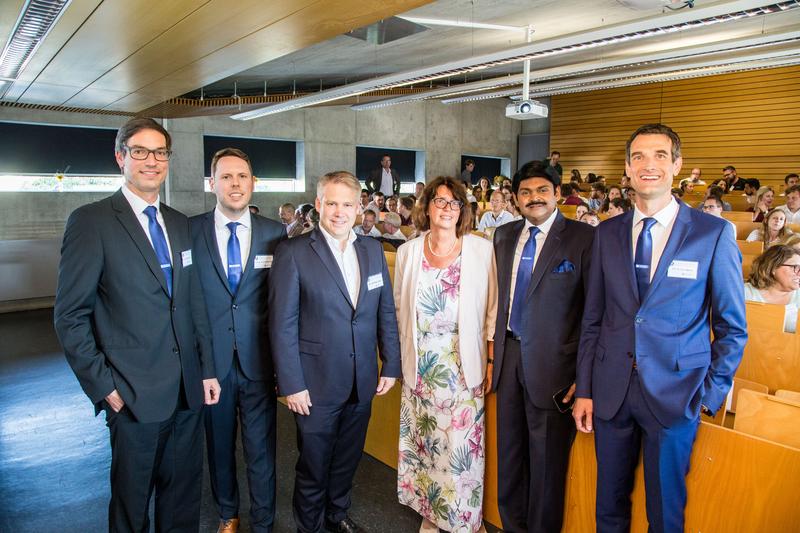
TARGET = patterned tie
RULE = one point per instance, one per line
(159, 244)
(643, 258)
(524, 272)
(234, 258)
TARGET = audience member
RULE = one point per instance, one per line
(629, 194)
(384, 178)
(580, 210)
(590, 217)
(617, 206)
(498, 215)
(466, 174)
(773, 229)
(444, 360)
(296, 227)
(751, 187)
(624, 182)
(598, 196)
(391, 204)
(677, 192)
(570, 195)
(552, 165)
(712, 205)
(764, 199)
(734, 182)
(695, 176)
(792, 207)
(391, 227)
(687, 186)
(483, 192)
(378, 203)
(775, 279)
(613, 191)
(364, 201)
(404, 209)
(790, 180)
(367, 226)
(716, 192)
(575, 176)
(591, 177)
(312, 220)
(286, 213)
(418, 188)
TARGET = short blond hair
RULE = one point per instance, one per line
(339, 176)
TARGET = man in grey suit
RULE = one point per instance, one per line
(130, 315)
(330, 307)
(233, 255)
(542, 268)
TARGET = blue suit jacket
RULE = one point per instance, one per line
(320, 340)
(668, 333)
(237, 321)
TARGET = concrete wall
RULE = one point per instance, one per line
(330, 134)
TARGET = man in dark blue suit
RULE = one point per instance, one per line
(330, 307)
(131, 317)
(233, 255)
(542, 270)
(663, 278)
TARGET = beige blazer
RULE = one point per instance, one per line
(477, 305)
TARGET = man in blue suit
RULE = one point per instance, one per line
(660, 276)
(233, 254)
(330, 307)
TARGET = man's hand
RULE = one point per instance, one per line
(568, 395)
(384, 385)
(299, 402)
(115, 401)
(582, 413)
(211, 390)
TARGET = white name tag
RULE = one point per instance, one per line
(186, 258)
(262, 261)
(682, 269)
(375, 281)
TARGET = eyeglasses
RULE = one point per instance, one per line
(141, 153)
(795, 268)
(441, 203)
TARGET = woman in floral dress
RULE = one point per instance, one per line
(446, 298)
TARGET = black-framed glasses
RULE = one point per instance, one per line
(141, 153)
(795, 268)
(441, 203)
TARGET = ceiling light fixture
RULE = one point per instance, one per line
(640, 29)
(461, 24)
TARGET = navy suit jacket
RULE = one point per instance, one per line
(551, 317)
(679, 366)
(115, 319)
(238, 321)
(320, 340)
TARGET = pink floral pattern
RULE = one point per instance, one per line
(441, 462)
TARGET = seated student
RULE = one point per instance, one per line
(404, 208)
(590, 217)
(367, 226)
(378, 203)
(775, 279)
(713, 206)
(392, 203)
(751, 187)
(717, 193)
(763, 203)
(792, 207)
(598, 195)
(790, 181)
(391, 226)
(677, 192)
(629, 193)
(773, 229)
(618, 206)
(511, 204)
(580, 210)
(687, 186)
(363, 201)
(498, 215)
(570, 195)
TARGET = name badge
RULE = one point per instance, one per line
(375, 281)
(262, 261)
(682, 269)
(186, 258)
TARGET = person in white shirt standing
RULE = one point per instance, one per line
(498, 215)
(384, 178)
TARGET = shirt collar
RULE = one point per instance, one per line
(333, 242)
(545, 226)
(222, 221)
(138, 204)
(664, 217)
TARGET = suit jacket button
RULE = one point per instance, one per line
(630, 354)
(174, 308)
(639, 320)
(230, 329)
(175, 350)
(352, 355)
(234, 306)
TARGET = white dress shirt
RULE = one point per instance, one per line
(791, 218)
(139, 205)
(659, 232)
(541, 237)
(397, 235)
(347, 261)
(373, 232)
(488, 220)
(244, 232)
(387, 183)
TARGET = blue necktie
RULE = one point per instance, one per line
(524, 272)
(159, 244)
(644, 256)
(234, 258)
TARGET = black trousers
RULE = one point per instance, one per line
(533, 447)
(253, 404)
(165, 456)
(330, 441)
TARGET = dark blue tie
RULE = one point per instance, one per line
(524, 272)
(234, 258)
(159, 244)
(644, 256)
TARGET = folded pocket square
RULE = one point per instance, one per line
(564, 266)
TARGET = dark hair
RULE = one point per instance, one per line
(134, 126)
(377, 193)
(407, 202)
(554, 152)
(716, 199)
(790, 190)
(469, 162)
(790, 176)
(385, 155)
(729, 167)
(304, 209)
(598, 186)
(591, 177)
(566, 189)
(655, 129)
(715, 191)
(677, 191)
(575, 175)
(368, 212)
(420, 215)
(533, 169)
(229, 152)
(621, 203)
(756, 183)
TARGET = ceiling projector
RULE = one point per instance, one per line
(526, 109)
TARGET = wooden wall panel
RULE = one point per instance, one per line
(750, 120)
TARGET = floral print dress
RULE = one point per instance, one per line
(440, 470)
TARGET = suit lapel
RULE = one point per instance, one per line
(624, 240)
(680, 230)
(131, 224)
(320, 246)
(210, 236)
(551, 244)
(171, 221)
(363, 269)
